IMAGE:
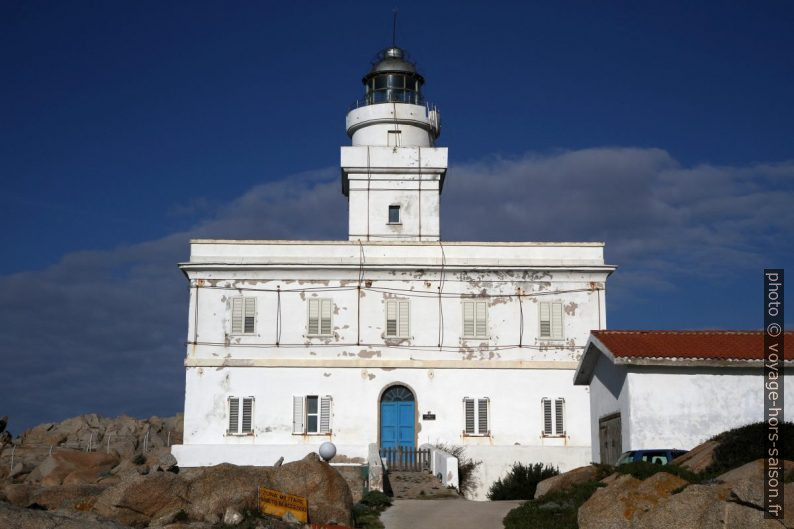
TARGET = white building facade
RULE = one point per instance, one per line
(391, 337)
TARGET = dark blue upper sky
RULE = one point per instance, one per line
(663, 128)
(115, 112)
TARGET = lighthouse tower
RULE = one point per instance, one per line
(393, 173)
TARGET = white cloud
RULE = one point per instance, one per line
(104, 330)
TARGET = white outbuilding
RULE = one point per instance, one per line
(391, 338)
(672, 389)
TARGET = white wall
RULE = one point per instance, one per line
(609, 393)
(497, 461)
(515, 404)
(515, 414)
(682, 407)
(409, 177)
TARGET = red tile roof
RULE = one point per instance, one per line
(719, 345)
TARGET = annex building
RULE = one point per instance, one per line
(392, 337)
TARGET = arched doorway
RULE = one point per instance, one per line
(397, 418)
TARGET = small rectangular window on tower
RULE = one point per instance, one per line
(394, 138)
(394, 214)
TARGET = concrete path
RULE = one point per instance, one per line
(443, 514)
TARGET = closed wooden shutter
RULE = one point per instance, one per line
(559, 412)
(482, 416)
(556, 321)
(547, 426)
(297, 415)
(234, 414)
(404, 319)
(391, 318)
(314, 316)
(237, 315)
(325, 316)
(468, 318)
(545, 320)
(325, 414)
(250, 315)
(248, 406)
(468, 405)
(482, 319)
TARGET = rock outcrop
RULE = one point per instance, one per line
(565, 480)
(90, 464)
(621, 504)
(15, 517)
(142, 499)
(699, 458)
(733, 500)
(73, 468)
(213, 489)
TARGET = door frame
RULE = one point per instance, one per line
(602, 421)
(416, 410)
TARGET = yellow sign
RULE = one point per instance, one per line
(276, 503)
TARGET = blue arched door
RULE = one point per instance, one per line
(397, 418)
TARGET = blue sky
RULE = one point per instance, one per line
(662, 128)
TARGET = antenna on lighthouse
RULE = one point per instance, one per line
(394, 29)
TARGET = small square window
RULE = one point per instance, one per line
(394, 214)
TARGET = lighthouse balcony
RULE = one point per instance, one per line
(394, 124)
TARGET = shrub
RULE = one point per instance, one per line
(376, 499)
(366, 513)
(466, 467)
(521, 481)
(746, 443)
(556, 510)
(139, 459)
(252, 519)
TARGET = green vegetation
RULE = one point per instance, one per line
(556, 510)
(521, 481)
(466, 467)
(366, 513)
(742, 445)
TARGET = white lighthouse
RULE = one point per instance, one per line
(393, 173)
(393, 337)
